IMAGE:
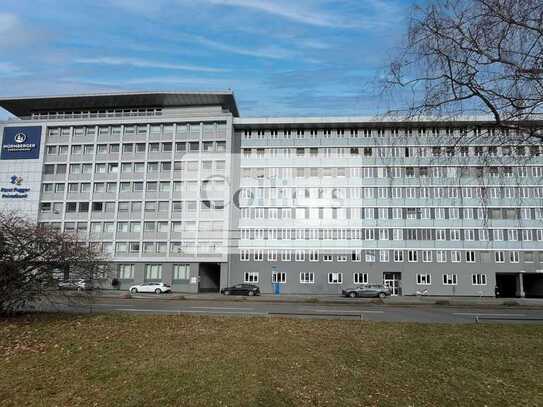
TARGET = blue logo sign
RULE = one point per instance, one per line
(15, 191)
(21, 143)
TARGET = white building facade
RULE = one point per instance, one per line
(175, 187)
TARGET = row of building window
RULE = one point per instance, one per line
(181, 248)
(396, 213)
(132, 207)
(378, 131)
(181, 272)
(136, 227)
(380, 151)
(137, 148)
(133, 186)
(54, 115)
(386, 256)
(396, 171)
(166, 129)
(135, 167)
(279, 277)
(381, 234)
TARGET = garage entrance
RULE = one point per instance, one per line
(507, 285)
(533, 285)
(209, 279)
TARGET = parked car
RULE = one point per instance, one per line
(241, 289)
(157, 288)
(367, 291)
(75, 284)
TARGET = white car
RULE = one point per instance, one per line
(157, 288)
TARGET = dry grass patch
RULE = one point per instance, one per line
(128, 360)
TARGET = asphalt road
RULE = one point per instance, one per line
(424, 314)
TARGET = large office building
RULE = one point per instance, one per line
(176, 187)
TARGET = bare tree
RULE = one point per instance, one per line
(31, 255)
(474, 57)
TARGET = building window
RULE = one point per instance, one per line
(307, 278)
(126, 272)
(313, 255)
(412, 256)
(299, 255)
(279, 277)
(449, 279)
(398, 256)
(360, 278)
(285, 255)
(335, 278)
(478, 279)
(427, 256)
(327, 257)
(181, 272)
(499, 257)
(514, 257)
(250, 277)
(424, 279)
(272, 255)
(259, 255)
(153, 272)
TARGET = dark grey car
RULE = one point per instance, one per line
(367, 291)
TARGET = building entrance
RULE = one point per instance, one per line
(393, 281)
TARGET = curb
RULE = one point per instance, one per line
(508, 304)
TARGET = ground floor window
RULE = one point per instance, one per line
(244, 255)
(250, 277)
(335, 278)
(327, 257)
(424, 279)
(360, 278)
(307, 278)
(478, 279)
(299, 255)
(153, 272)
(126, 272)
(279, 277)
(313, 255)
(181, 271)
(449, 279)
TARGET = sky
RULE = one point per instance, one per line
(280, 57)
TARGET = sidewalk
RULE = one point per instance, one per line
(333, 299)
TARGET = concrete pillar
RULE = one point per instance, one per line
(521, 293)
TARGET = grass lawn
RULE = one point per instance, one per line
(126, 360)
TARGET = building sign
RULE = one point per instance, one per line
(21, 143)
(16, 190)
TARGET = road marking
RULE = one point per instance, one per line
(346, 311)
(183, 311)
(224, 308)
(478, 314)
(144, 310)
(222, 312)
(112, 305)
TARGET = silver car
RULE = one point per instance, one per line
(367, 291)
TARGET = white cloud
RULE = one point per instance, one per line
(142, 63)
(13, 33)
(271, 52)
(7, 69)
(291, 10)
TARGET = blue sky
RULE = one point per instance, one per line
(280, 57)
